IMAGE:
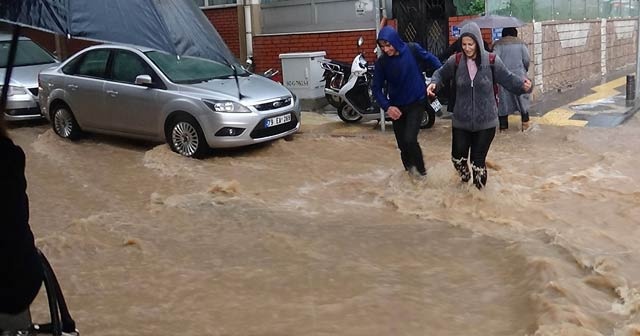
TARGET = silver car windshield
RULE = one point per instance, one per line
(189, 70)
(27, 53)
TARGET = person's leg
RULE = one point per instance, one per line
(480, 143)
(399, 127)
(460, 143)
(414, 113)
(17, 322)
(524, 117)
(504, 122)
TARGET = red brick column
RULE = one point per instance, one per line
(225, 20)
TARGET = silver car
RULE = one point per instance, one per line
(192, 104)
(22, 99)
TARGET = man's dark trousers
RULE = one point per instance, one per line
(406, 129)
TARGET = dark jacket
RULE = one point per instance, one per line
(20, 266)
(475, 107)
(405, 82)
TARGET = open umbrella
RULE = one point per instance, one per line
(177, 27)
(495, 21)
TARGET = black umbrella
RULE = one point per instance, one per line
(495, 21)
(178, 27)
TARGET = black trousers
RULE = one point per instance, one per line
(406, 130)
(475, 146)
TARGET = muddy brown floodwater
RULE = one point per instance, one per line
(326, 235)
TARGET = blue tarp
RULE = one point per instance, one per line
(178, 27)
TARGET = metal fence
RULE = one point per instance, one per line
(544, 10)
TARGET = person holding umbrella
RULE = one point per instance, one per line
(515, 55)
(475, 114)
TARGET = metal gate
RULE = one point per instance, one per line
(423, 21)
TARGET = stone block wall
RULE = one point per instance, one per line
(620, 43)
(570, 53)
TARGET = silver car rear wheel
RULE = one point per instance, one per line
(64, 123)
(186, 138)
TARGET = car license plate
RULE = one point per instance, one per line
(278, 120)
(435, 105)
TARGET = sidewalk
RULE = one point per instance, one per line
(589, 104)
(602, 105)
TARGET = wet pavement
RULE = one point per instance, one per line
(325, 234)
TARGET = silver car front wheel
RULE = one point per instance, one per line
(186, 138)
(64, 123)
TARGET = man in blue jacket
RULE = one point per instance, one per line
(405, 101)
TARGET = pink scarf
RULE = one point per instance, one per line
(473, 68)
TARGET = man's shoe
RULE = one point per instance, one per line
(414, 172)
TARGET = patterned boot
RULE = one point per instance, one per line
(463, 168)
(479, 176)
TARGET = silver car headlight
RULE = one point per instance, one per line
(225, 106)
(15, 90)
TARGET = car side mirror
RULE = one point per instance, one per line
(144, 80)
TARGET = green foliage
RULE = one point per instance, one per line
(469, 7)
(476, 7)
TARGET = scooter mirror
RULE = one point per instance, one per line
(360, 41)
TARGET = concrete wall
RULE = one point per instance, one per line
(566, 53)
(620, 43)
(570, 53)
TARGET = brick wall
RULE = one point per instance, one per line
(338, 45)
(226, 22)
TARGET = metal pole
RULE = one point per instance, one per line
(10, 61)
(378, 8)
(637, 57)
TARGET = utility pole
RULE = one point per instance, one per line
(637, 58)
(377, 8)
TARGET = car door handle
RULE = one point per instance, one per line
(72, 87)
(112, 93)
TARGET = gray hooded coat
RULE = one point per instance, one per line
(515, 55)
(475, 108)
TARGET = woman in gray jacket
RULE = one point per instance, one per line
(475, 114)
(515, 55)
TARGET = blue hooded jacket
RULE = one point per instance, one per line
(405, 83)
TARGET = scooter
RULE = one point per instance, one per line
(250, 66)
(335, 76)
(358, 101)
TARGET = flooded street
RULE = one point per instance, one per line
(327, 235)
